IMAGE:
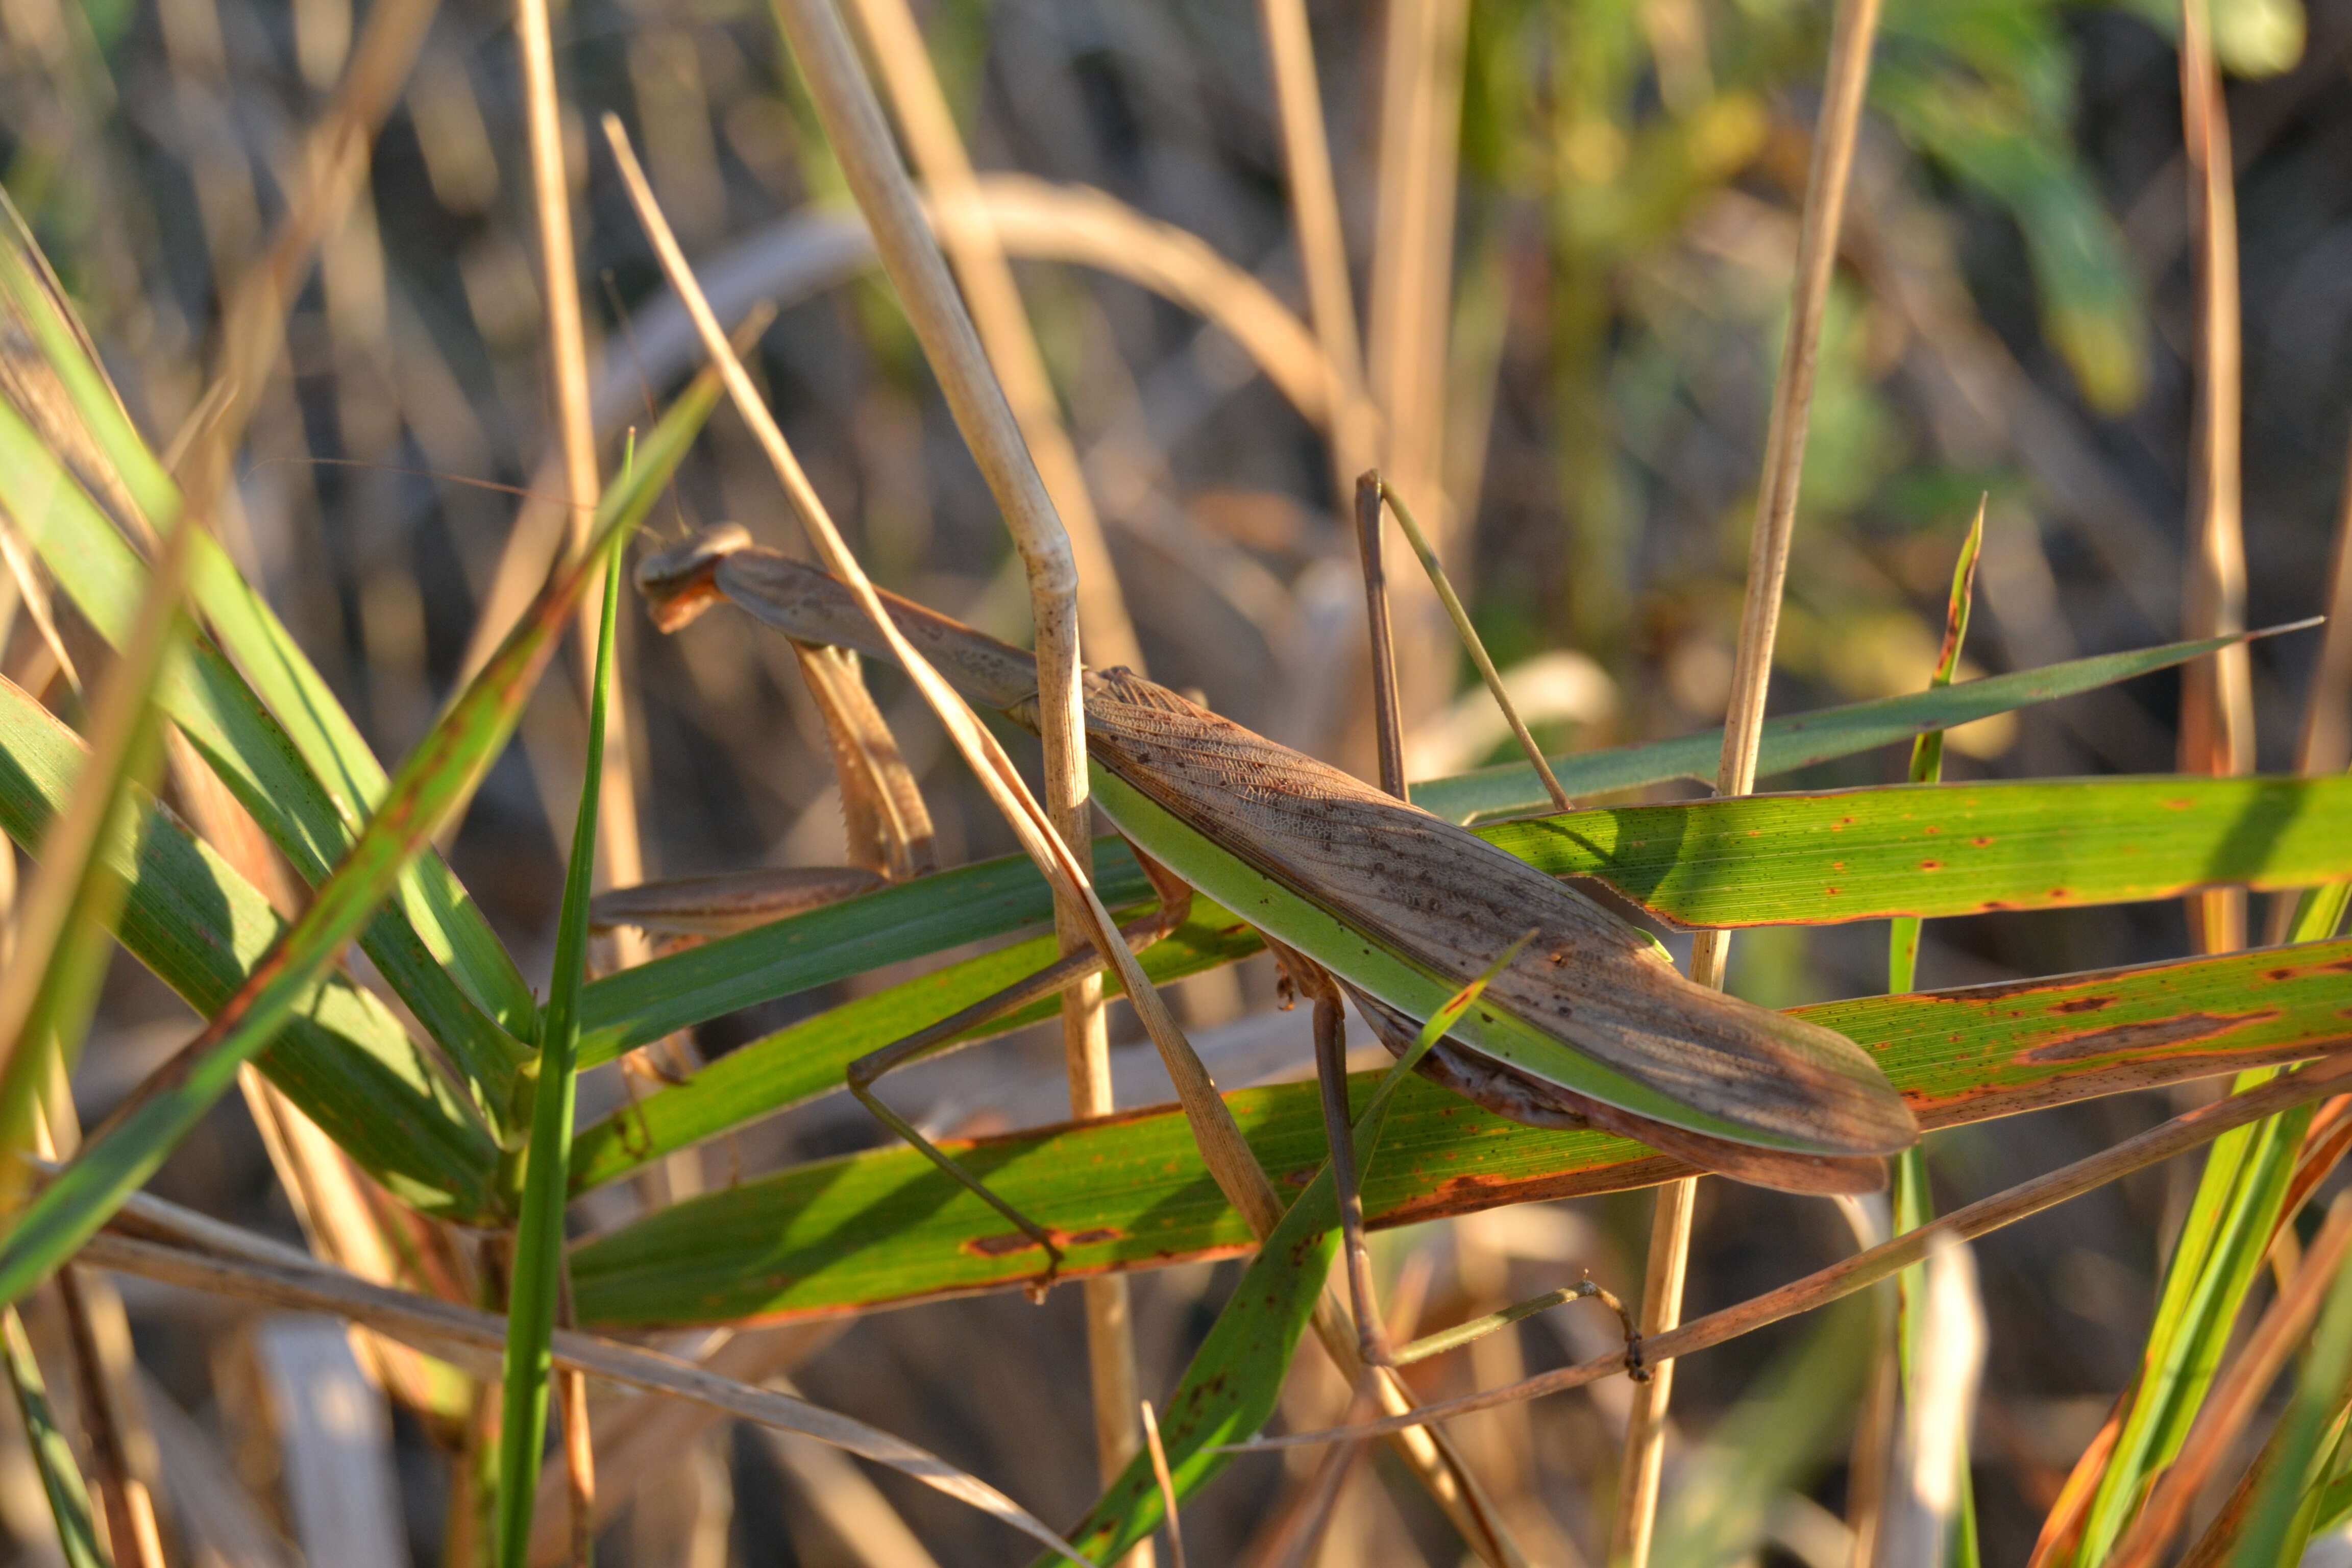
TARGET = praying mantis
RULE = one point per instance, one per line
(1365, 898)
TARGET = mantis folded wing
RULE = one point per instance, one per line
(1589, 1023)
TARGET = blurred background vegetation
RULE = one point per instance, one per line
(1575, 336)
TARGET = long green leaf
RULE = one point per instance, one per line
(884, 1227)
(189, 917)
(53, 1455)
(812, 1058)
(2269, 1539)
(1511, 789)
(432, 784)
(94, 568)
(1229, 1389)
(1848, 855)
(908, 919)
(1949, 850)
(538, 1277)
(203, 694)
(997, 898)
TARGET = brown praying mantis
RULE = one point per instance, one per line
(1363, 896)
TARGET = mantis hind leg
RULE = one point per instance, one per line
(950, 1032)
(1311, 980)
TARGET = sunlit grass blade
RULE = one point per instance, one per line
(880, 1228)
(2271, 1537)
(538, 1276)
(1229, 1390)
(206, 697)
(811, 1057)
(929, 914)
(1948, 849)
(52, 1451)
(434, 782)
(99, 570)
(188, 916)
(1511, 789)
(2214, 1263)
(1915, 1202)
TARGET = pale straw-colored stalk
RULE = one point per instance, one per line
(1853, 32)
(1322, 242)
(1228, 1157)
(2163, 1142)
(895, 47)
(2217, 694)
(1412, 261)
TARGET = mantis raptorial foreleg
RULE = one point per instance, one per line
(939, 1038)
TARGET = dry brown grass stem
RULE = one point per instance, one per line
(1863, 1270)
(895, 46)
(1167, 1486)
(1322, 242)
(2235, 1397)
(1412, 258)
(199, 1254)
(1854, 33)
(2217, 696)
(2325, 746)
(818, 248)
(637, 1443)
(1227, 1156)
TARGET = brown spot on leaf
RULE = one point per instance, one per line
(999, 1246)
(1981, 843)
(2084, 1004)
(1931, 865)
(2152, 1035)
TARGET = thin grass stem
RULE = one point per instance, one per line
(1865, 1268)
(1473, 645)
(1854, 33)
(2217, 696)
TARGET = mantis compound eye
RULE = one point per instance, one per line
(676, 582)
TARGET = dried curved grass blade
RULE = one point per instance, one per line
(205, 1255)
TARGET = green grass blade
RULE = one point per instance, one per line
(908, 919)
(538, 1276)
(1229, 1391)
(996, 898)
(1752, 860)
(329, 745)
(52, 1450)
(811, 1057)
(1915, 1202)
(1948, 849)
(2214, 1263)
(1511, 789)
(2270, 1537)
(432, 784)
(884, 1228)
(214, 709)
(199, 927)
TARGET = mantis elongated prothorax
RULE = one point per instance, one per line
(1720, 1082)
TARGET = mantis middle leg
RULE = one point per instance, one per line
(937, 1039)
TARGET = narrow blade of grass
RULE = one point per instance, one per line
(1229, 1390)
(432, 784)
(199, 927)
(1915, 1202)
(2272, 1539)
(53, 1455)
(882, 1228)
(538, 1274)
(1511, 789)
